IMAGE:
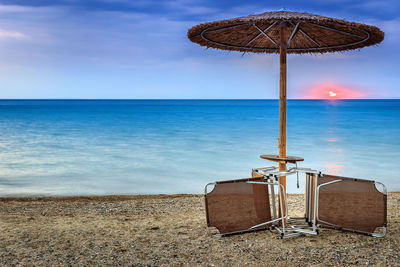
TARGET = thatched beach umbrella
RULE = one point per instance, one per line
(285, 32)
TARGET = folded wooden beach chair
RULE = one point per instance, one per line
(238, 206)
(347, 204)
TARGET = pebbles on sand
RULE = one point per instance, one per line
(169, 230)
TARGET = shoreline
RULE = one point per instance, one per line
(96, 197)
(88, 198)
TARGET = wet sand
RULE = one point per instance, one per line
(170, 230)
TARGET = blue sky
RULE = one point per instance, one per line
(139, 49)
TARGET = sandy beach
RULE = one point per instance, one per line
(169, 230)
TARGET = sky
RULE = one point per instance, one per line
(138, 49)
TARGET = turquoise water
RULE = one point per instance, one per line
(80, 147)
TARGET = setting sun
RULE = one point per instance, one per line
(333, 91)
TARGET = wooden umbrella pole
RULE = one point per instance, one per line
(282, 102)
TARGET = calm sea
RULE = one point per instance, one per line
(80, 147)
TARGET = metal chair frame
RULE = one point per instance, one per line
(282, 224)
(293, 226)
(275, 218)
(285, 225)
(316, 218)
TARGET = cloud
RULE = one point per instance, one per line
(391, 26)
(12, 34)
(102, 41)
(376, 5)
(189, 7)
(14, 8)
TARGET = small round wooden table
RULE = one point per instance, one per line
(287, 159)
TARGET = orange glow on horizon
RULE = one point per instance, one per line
(333, 91)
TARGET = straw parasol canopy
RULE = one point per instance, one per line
(285, 32)
(308, 33)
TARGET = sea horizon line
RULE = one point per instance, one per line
(185, 99)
